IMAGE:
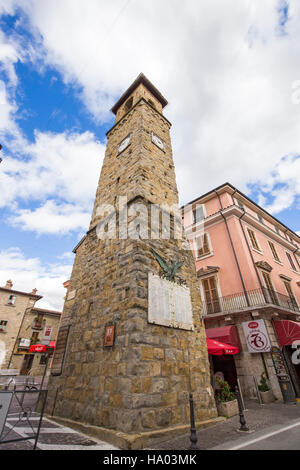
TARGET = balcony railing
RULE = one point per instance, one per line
(252, 298)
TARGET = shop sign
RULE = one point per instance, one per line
(47, 335)
(257, 337)
(24, 343)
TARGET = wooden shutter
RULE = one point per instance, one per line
(60, 350)
(253, 240)
(269, 287)
(202, 246)
(211, 295)
(291, 261)
(274, 252)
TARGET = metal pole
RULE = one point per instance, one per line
(41, 417)
(242, 417)
(241, 395)
(193, 436)
(45, 370)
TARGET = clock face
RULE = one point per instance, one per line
(157, 141)
(124, 144)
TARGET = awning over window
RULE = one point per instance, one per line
(225, 334)
(287, 331)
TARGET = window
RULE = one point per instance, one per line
(290, 294)
(12, 300)
(3, 324)
(35, 337)
(260, 218)
(211, 295)
(198, 213)
(202, 246)
(38, 322)
(240, 204)
(269, 287)
(128, 105)
(43, 360)
(274, 252)
(254, 242)
(289, 257)
(277, 229)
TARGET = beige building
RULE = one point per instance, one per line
(21, 326)
(39, 326)
(13, 306)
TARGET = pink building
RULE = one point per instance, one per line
(248, 265)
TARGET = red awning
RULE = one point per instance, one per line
(216, 348)
(40, 348)
(224, 334)
(287, 331)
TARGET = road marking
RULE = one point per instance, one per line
(266, 436)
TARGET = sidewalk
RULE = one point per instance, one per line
(258, 417)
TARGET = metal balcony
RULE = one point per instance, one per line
(253, 298)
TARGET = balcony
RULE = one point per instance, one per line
(253, 298)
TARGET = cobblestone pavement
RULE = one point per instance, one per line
(258, 417)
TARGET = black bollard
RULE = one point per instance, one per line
(242, 417)
(193, 436)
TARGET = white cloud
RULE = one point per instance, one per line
(29, 273)
(227, 69)
(59, 167)
(51, 218)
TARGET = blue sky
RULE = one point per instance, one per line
(232, 83)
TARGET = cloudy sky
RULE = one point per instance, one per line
(229, 69)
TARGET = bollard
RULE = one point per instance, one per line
(193, 436)
(242, 417)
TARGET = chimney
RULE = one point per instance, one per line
(66, 284)
(8, 285)
(34, 291)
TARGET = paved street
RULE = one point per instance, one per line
(273, 426)
(261, 420)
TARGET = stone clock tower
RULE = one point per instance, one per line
(131, 346)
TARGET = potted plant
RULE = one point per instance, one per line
(227, 404)
(264, 390)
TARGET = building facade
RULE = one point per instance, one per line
(13, 306)
(39, 326)
(22, 325)
(248, 269)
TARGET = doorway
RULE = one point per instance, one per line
(226, 365)
(27, 364)
(294, 369)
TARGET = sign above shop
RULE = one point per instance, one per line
(257, 337)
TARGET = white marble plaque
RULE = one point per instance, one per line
(169, 304)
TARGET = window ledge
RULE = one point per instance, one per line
(257, 251)
(204, 256)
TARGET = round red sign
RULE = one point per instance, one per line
(253, 324)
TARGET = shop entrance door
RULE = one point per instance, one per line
(294, 369)
(226, 365)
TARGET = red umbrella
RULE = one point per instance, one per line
(216, 348)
